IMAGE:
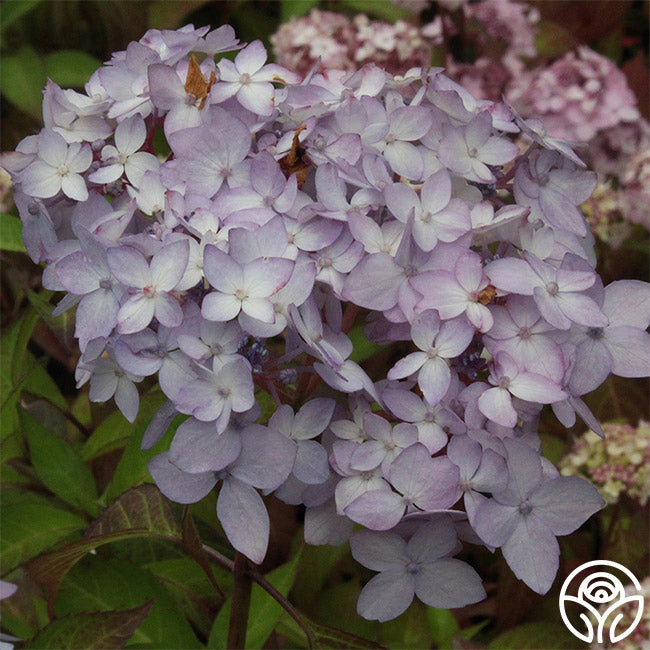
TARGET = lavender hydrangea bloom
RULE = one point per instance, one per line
(525, 518)
(420, 567)
(246, 288)
(149, 285)
(238, 272)
(437, 343)
(57, 168)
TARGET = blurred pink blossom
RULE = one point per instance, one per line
(577, 96)
(344, 44)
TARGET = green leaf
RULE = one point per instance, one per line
(191, 590)
(60, 467)
(140, 512)
(70, 67)
(335, 604)
(36, 381)
(22, 78)
(363, 348)
(409, 629)
(12, 10)
(115, 431)
(13, 349)
(102, 630)
(265, 610)
(100, 584)
(39, 382)
(443, 625)
(316, 565)
(297, 8)
(11, 233)
(31, 524)
(326, 637)
(534, 635)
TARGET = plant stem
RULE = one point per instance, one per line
(241, 600)
(257, 577)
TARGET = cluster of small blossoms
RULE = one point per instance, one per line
(639, 638)
(619, 464)
(577, 96)
(234, 266)
(338, 42)
(511, 22)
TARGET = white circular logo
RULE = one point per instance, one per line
(601, 601)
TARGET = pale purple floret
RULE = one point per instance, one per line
(149, 285)
(383, 443)
(75, 116)
(557, 292)
(453, 293)
(86, 273)
(168, 94)
(481, 471)
(207, 155)
(525, 518)
(124, 157)
(382, 282)
(250, 81)
(354, 482)
(520, 330)
(406, 125)
(433, 422)
(471, 150)
(551, 186)
(242, 287)
(437, 216)
(262, 463)
(215, 394)
(438, 343)
(311, 463)
(420, 567)
(623, 346)
(509, 379)
(420, 482)
(58, 167)
(268, 194)
(108, 380)
(215, 345)
(331, 193)
(148, 352)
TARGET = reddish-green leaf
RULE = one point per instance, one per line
(101, 584)
(101, 630)
(140, 512)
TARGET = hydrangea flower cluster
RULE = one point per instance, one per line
(339, 42)
(233, 261)
(577, 96)
(620, 464)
